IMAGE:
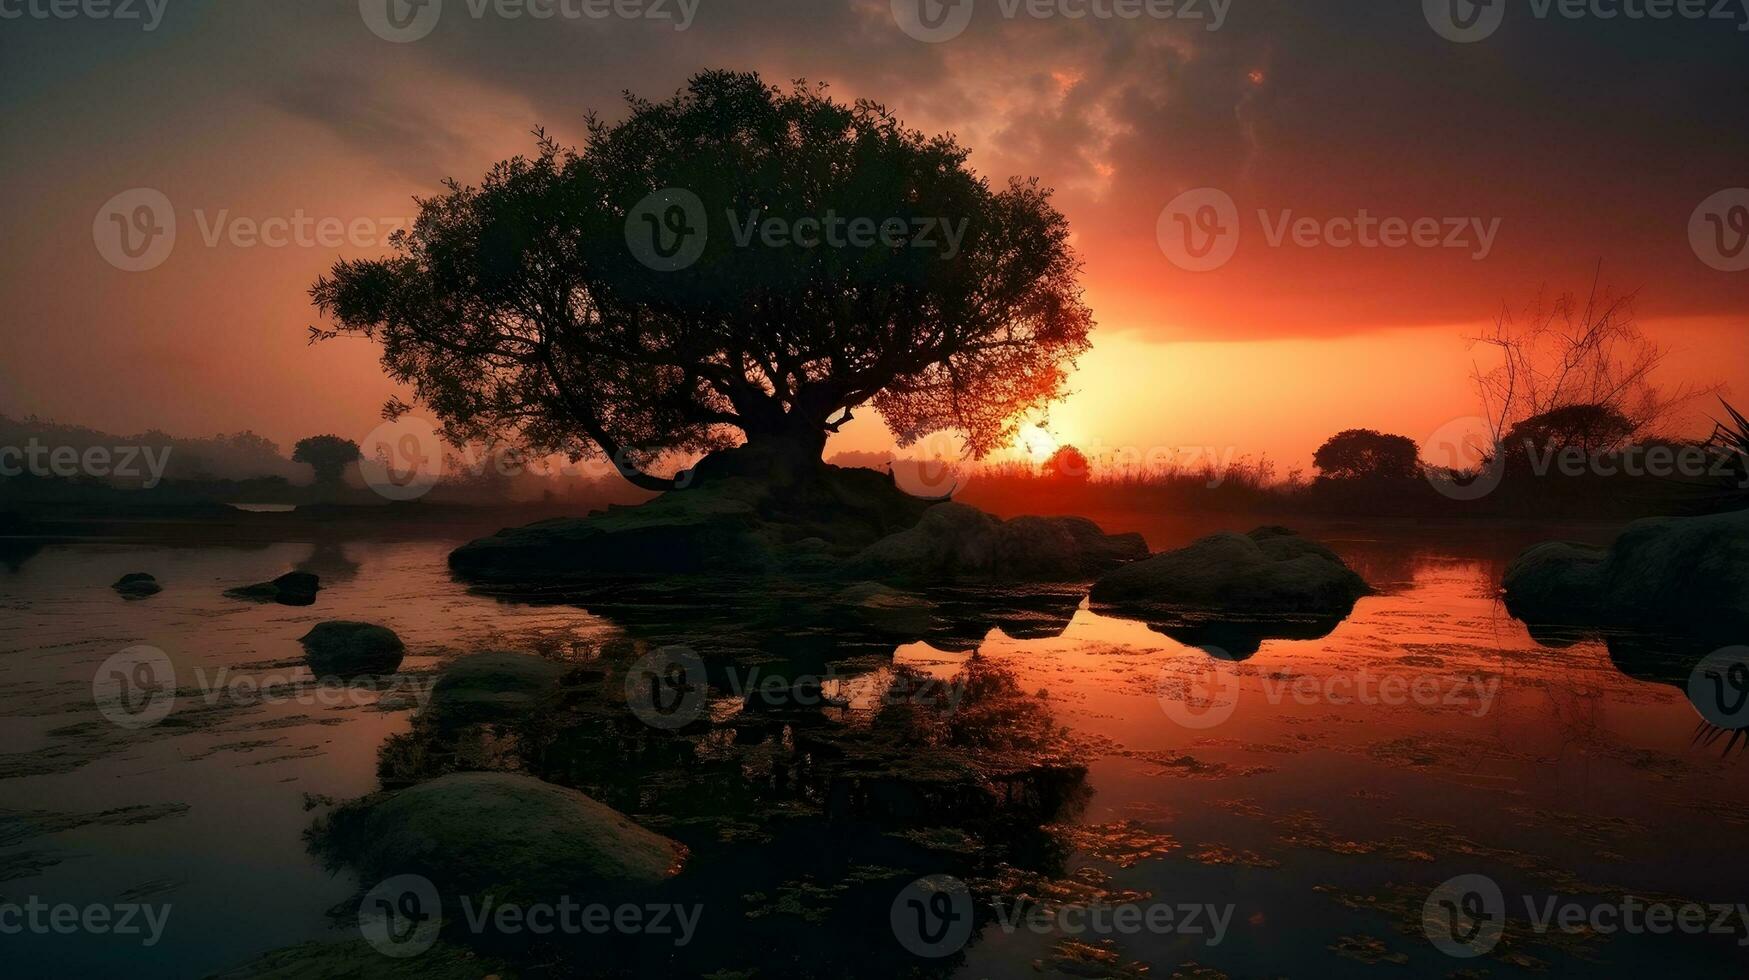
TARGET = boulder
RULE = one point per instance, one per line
(137, 585)
(502, 834)
(492, 687)
(346, 649)
(886, 610)
(955, 542)
(1556, 582)
(1270, 572)
(290, 589)
(1686, 575)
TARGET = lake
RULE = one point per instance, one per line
(1289, 811)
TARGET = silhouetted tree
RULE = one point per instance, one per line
(327, 455)
(1068, 463)
(1366, 454)
(1593, 429)
(1577, 354)
(522, 307)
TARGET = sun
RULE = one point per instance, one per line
(1036, 443)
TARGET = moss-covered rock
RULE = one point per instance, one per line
(340, 648)
(955, 542)
(1687, 575)
(1271, 571)
(1557, 582)
(492, 687)
(507, 835)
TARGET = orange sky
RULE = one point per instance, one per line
(251, 110)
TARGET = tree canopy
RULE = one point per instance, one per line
(696, 277)
(1366, 454)
(327, 455)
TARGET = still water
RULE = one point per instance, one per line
(1306, 799)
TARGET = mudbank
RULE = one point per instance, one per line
(1688, 575)
(745, 514)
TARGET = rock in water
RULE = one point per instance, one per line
(1685, 574)
(955, 542)
(504, 834)
(1555, 582)
(290, 589)
(345, 649)
(1271, 571)
(137, 585)
(494, 686)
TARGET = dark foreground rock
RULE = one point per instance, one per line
(1688, 575)
(502, 834)
(290, 589)
(745, 514)
(954, 542)
(346, 649)
(492, 687)
(1271, 571)
(137, 585)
